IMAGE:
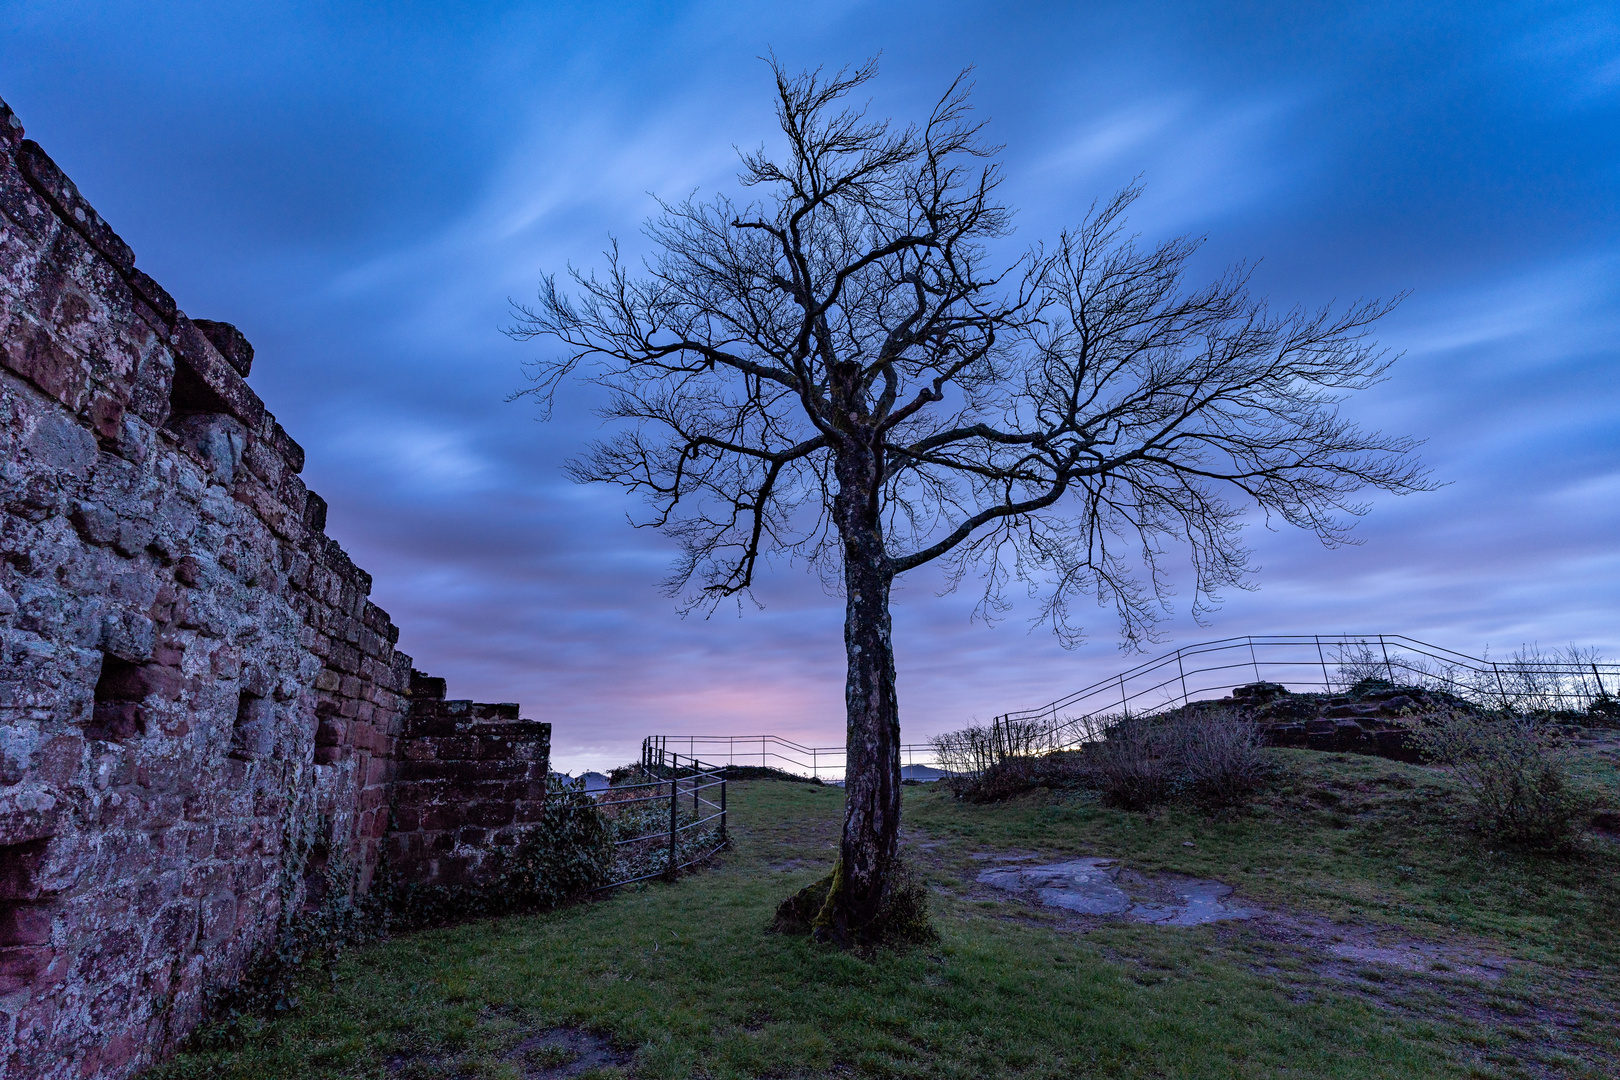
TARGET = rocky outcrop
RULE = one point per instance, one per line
(1370, 718)
(202, 713)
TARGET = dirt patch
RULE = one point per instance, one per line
(1097, 889)
(553, 1054)
(1386, 946)
(564, 1052)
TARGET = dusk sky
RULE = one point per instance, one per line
(362, 187)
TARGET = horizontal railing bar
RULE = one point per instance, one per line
(706, 855)
(639, 784)
(630, 881)
(693, 824)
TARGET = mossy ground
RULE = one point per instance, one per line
(683, 981)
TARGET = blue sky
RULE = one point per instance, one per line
(361, 188)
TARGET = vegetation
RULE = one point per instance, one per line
(564, 855)
(902, 921)
(1206, 757)
(1517, 774)
(568, 852)
(678, 980)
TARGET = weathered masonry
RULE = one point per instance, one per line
(204, 722)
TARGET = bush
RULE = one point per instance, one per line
(1220, 761)
(1146, 761)
(1137, 764)
(565, 854)
(1206, 754)
(1516, 773)
(1060, 769)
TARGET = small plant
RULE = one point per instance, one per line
(1516, 773)
(308, 942)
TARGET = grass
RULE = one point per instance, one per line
(681, 980)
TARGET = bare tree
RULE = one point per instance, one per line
(841, 371)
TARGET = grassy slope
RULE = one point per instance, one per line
(683, 979)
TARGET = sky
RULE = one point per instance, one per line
(363, 188)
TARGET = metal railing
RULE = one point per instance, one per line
(678, 841)
(1529, 681)
(775, 752)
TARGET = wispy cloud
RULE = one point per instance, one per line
(1201, 160)
(364, 206)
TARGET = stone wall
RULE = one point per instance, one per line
(471, 776)
(200, 709)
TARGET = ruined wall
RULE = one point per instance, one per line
(469, 778)
(200, 709)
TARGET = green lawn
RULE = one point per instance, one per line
(681, 980)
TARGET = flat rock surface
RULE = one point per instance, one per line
(1093, 886)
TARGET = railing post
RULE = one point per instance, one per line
(674, 810)
(1387, 666)
(1183, 670)
(1326, 687)
(723, 836)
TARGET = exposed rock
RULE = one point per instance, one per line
(231, 343)
(1373, 718)
(1092, 886)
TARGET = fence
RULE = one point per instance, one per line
(775, 752)
(1528, 681)
(666, 815)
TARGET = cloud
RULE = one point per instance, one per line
(1200, 160)
(363, 203)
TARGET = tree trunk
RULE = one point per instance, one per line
(872, 767)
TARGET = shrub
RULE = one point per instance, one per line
(1220, 761)
(1516, 774)
(566, 854)
(1148, 760)
(966, 755)
(1203, 753)
(1137, 764)
(1059, 769)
